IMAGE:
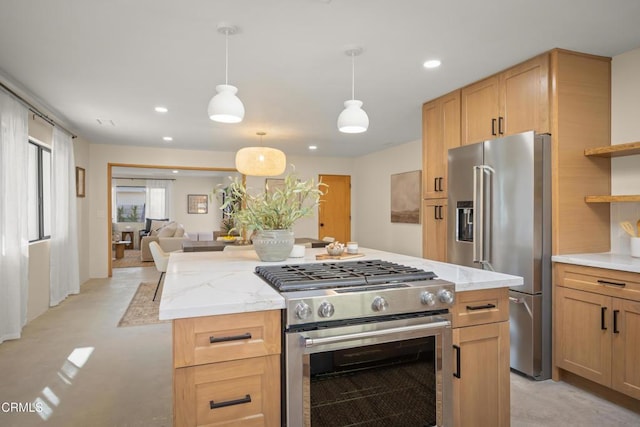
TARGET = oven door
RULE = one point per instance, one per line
(395, 372)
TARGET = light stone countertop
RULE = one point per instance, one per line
(602, 260)
(210, 283)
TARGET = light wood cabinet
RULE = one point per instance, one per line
(440, 132)
(597, 332)
(227, 370)
(481, 390)
(514, 101)
(434, 229)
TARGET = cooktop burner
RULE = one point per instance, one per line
(298, 277)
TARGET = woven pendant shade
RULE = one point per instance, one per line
(260, 161)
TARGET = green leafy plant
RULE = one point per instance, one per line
(274, 209)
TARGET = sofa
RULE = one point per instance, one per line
(169, 234)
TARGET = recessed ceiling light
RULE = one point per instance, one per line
(432, 63)
(313, 147)
(167, 138)
(174, 171)
(161, 109)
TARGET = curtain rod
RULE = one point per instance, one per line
(143, 179)
(37, 112)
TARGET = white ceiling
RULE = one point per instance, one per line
(116, 60)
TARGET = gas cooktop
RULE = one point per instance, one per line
(296, 277)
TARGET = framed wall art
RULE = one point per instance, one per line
(405, 197)
(197, 203)
(80, 181)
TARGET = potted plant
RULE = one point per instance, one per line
(272, 213)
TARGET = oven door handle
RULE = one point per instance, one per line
(310, 342)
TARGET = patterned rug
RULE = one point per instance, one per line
(131, 259)
(142, 309)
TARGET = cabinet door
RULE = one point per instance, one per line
(480, 108)
(432, 149)
(583, 321)
(441, 131)
(434, 229)
(625, 375)
(524, 97)
(481, 394)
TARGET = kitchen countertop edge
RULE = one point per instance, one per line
(608, 260)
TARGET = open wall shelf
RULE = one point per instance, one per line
(608, 151)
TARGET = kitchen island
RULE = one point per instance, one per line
(227, 337)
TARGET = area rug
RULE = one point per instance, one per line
(142, 309)
(131, 259)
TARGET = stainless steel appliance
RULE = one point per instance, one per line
(500, 219)
(366, 343)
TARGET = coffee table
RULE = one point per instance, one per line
(119, 247)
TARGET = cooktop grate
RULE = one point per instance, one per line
(297, 277)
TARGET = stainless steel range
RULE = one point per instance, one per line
(365, 342)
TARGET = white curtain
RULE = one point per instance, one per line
(65, 268)
(152, 206)
(14, 240)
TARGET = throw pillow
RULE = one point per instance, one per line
(156, 226)
(168, 230)
(179, 231)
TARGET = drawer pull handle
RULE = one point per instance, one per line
(602, 324)
(457, 372)
(246, 399)
(606, 282)
(481, 307)
(246, 336)
(615, 321)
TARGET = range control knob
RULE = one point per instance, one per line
(445, 296)
(326, 309)
(302, 310)
(427, 298)
(379, 304)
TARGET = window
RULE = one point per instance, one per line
(130, 204)
(39, 192)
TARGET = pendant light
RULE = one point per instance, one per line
(260, 161)
(225, 106)
(353, 118)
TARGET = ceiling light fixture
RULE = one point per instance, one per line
(260, 161)
(313, 147)
(353, 118)
(167, 138)
(432, 63)
(161, 109)
(225, 106)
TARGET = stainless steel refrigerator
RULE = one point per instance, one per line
(500, 219)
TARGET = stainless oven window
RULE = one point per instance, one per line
(390, 384)
(380, 374)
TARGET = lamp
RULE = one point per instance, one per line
(225, 106)
(260, 161)
(353, 118)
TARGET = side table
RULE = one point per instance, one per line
(128, 235)
(119, 248)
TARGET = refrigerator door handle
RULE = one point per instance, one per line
(523, 302)
(479, 211)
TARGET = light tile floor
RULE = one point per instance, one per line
(88, 372)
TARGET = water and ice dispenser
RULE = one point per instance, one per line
(464, 221)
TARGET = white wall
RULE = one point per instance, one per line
(182, 187)
(372, 218)
(625, 127)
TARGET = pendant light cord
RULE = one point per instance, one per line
(353, 76)
(226, 57)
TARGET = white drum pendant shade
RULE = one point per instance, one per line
(225, 106)
(260, 161)
(353, 118)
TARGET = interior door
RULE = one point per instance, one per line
(334, 212)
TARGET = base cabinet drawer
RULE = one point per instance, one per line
(240, 392)
(480, 307)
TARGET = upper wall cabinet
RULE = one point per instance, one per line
(514, 101)
(440, 131)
